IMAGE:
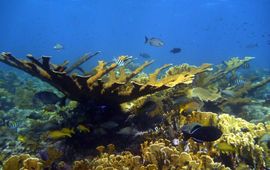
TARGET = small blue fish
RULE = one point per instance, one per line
(145, 55)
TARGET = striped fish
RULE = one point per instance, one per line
(245, 66)
(10, 124)
(122, 60)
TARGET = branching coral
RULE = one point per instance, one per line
(95, 87)
(216, 75)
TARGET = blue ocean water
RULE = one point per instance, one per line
(206, 30)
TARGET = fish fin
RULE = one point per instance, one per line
(145, 39)
(181, 110)
(186, 136)
(197, 140)
(206, 134)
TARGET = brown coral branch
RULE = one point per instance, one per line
(101, 86)
(81, 60)
(250, 87)
(231, 65)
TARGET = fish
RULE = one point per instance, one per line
(34, 115)
(176, 50)
(99, 131)
(109, 125)
(252, 45)
(122, 60)
(83, 129)
(127, 131)
(22, 138)
(190, 106)
(46, 98)
(58, 47)
(59, 134)
(13, 125)
(245, 65)
(200, 133)
(154, 41)
(145, 55)
(225, 147)
(228, 93)
(237, 82)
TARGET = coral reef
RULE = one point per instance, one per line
(121, 118)
(223, 70)
(92, 87)
(22, 162)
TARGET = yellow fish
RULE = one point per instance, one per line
(22, 138)
(83, 129)
(63, 133)
(190, 106)
(225, 147)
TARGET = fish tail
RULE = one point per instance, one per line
(186, 136)
(145, 39)
(181, 110)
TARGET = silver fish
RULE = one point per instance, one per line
(109, 125)
(127, 131)
(58, 47)
(154, 41)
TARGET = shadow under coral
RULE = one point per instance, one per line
(108, 125)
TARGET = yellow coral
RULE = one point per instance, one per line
(22, 162)
(32, 164)
(203, 94)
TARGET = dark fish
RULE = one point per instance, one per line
(250, 46)
(46, 98)
(145, 55)
(34, 115)
(201, 133)
(176, 50)
(154, 41)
